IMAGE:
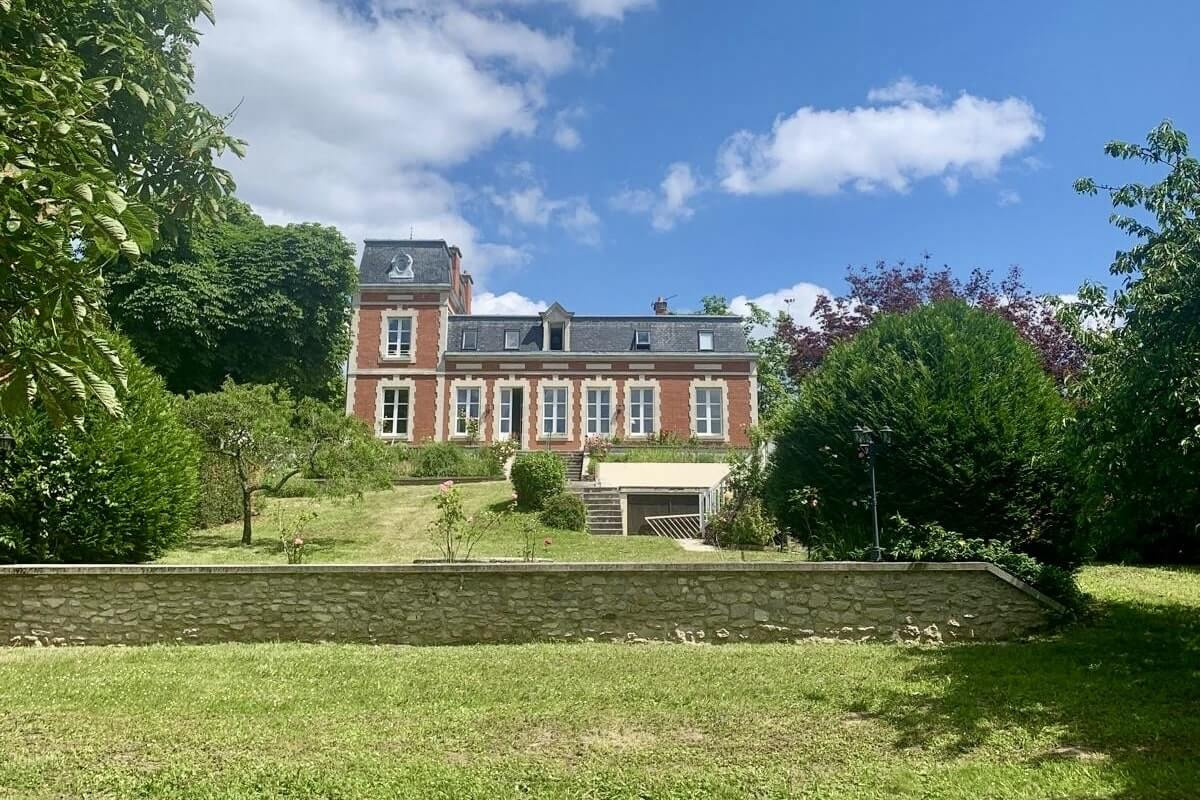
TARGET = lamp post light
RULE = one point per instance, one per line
(869, 444)
(7, 445)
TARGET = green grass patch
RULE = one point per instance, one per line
(392, 526)
(1104, 709)
(669, 455)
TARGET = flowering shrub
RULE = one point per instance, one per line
(291, 534)
(454, 532)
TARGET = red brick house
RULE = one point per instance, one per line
(422, 366)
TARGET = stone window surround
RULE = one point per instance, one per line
(467, 383)
(614, 404)
(395, 383)
(709, 383)
(397, 313)
(511, 383)
(642, 383)
(555, 383)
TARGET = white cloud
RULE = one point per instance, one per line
(668, 205)
(566, 135)
(1008, 197)
(507, 303)
(905, 90)
(531, 206)
(607, 9)
(352, 115)
(822, 151)
(797, 300)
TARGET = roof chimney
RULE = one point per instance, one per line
(660, 306)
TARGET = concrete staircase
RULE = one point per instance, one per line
(603, 508)
(574, 464)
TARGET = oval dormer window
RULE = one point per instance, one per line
(400, 267)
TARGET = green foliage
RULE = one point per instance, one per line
(267, 439)
(123, 490)
(564, 511)
(774, 384)
(99, 142)
(450, 460)
(935, 543)
(537, 477)
(258, 303)
(976, 446)
(1138, 431)
(454, 532)
(744, 524)
(220, 499)
(666, 455)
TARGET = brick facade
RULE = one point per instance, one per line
(434, 368)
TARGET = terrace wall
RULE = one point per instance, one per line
(482, 603)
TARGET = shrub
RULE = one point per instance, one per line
(744, 525)
(976, 442)
(935, 543)
(121, 490)
(439, 460)
(564, 511)
(220, 498)
(537, 477)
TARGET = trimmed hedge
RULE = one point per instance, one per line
(449, 460)
(565, 511)
(537, 477)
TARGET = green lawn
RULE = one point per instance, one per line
(393, 527)
(1107, 709)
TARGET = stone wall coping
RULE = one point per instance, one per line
(467, 568)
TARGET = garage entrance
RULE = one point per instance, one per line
(642, 505)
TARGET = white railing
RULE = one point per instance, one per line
(711, 502)
(675, 526)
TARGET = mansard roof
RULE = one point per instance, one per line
(675, 333)
(430, 262)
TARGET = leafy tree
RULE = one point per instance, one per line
(1137, 441)
(901, 288)
(269, 439)
(976, 445)
(239, 298)
(122, 490)
(774, 384)
(99, 142)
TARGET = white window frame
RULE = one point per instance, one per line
(589, 428)
(517, 344)
(497, 388)
(712, 341)
(637, 339)
(708, 385)
(395, 383)
(568, 419)
(475, 337)
(458, 425)
(385, 330)
(655, 418)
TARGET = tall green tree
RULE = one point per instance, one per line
(774, 384)
(1137, 441)
(242, 299)
(268, 439)
(101, 149)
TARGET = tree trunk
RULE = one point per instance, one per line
(246, 510)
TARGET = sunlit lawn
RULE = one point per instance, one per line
(393, 527)
(1106, 709)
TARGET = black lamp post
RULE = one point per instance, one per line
(869, 443)
(7, 445)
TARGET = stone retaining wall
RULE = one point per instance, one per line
(470, 603)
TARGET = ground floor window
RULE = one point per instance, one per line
(395, 412)
(554, 411)
(641, 411)
(709, 420)
(466, 409)
(599, 412)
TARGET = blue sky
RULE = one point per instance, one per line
(601, 152)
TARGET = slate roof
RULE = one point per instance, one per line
(431, 261)
(599, 334)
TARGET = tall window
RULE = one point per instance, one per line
(554, 411)
(599, 411)
(399, 336)
(556, 337)
(641, 411)
(466, 408)
(706, 341)
(395, 412)
(708, 412)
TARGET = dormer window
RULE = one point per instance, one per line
(512, 340)
(400, 268)
(556, 337)
(470, 339)
(706, 341)
(556, 328)
(641, 340)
